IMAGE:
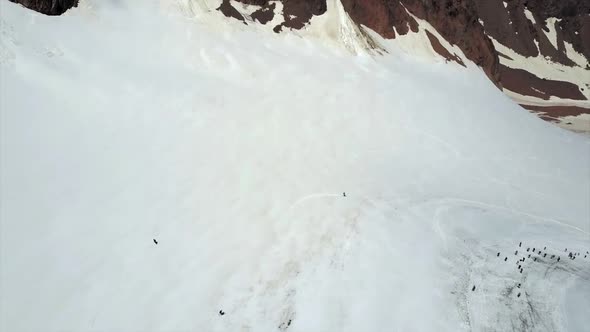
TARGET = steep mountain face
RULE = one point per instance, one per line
(456, 21)
(48, 7)
(536, 51)
(543, 48)
(522, 25)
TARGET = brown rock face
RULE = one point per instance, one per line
(552, 113)
(455, 20)
(229, 11)
(440, 49)
(525, 83)
(264, 14)
(296, 13)
(377, 15)
(512, 28)
(508, 25)
(458, 21)
(48, 7)
(574, 21)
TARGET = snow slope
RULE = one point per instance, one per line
(125, 121)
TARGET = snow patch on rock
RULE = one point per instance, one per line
(552, 34)
(545, 68)
(418, 44)
(529, 15)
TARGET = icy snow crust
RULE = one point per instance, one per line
(124, 122)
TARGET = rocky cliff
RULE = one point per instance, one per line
(544, 52)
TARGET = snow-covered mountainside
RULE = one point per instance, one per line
(165, 168)
(536, 51)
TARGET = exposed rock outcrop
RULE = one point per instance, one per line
(295, 13)
(228, 10)
(531, 85)
(523, 26)
(48, 7)
(455, 20)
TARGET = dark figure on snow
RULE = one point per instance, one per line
(498, 255)
(473, 289)
(558, 258)
(156, 242)
(520, 245)
(221, 313)
(344, 194)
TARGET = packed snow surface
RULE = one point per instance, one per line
(289, 184)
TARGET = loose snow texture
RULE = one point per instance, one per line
(121, 123)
